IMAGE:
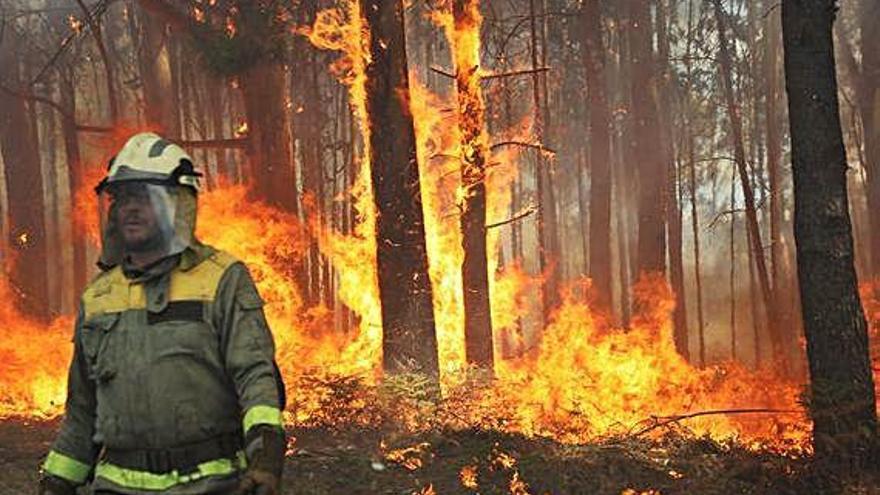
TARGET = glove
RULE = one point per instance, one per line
(265, 450)
(53, 485)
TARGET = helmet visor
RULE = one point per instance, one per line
(140, 217)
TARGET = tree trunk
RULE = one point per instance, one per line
(309, 123)
(600, 157)
(692, 184)
(779, 349)
(781, 287)
(733, 265)
(264, 90)
(546, 218)
(24, 184)
(465, 40)
(869, 110)
(409, 341)
(673, 209)
(67, 86)
(652, 168)
(161, 103)
(842, 404)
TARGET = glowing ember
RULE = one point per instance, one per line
(468, 477)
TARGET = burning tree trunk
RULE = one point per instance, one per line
(651, 195)
(410, 341)
(842, 389)
(600, 156)
(779, 349)
(27, 229)
(474, 154)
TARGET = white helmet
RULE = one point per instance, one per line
(148, 200)
(149, 157)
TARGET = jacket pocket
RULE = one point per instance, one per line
(95, 342)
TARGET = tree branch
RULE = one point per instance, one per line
(108, 67)
(57, 107)
(490, 77)
(514, 73)
(519, 216)
(535, 146)
(216, 143)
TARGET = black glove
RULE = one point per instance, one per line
(53, 485)
(265, 450)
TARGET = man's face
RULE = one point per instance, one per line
(136, 217)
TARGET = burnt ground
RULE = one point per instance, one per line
(365, 461)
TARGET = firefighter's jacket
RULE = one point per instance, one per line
(163, 360)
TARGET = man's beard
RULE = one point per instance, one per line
(149, 244)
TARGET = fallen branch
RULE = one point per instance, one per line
(680, 417)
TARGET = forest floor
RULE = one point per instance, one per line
(368, 461)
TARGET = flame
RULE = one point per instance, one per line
(33, 361)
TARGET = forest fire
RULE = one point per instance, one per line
(469, 226)
(579, 383)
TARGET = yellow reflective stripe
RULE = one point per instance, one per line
(66, 467)
(145, 480)
(262, 415)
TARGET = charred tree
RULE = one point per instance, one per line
(757, 247)
(409, 342)
(474, 154)
(842, 401)
(600, 156)
(24, 182)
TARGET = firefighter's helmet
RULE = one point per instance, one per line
(159, 177)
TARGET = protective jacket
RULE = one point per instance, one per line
(172, 366)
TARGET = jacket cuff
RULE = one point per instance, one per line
(261, 415)
(66, 468)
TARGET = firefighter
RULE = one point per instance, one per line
(173, 387)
